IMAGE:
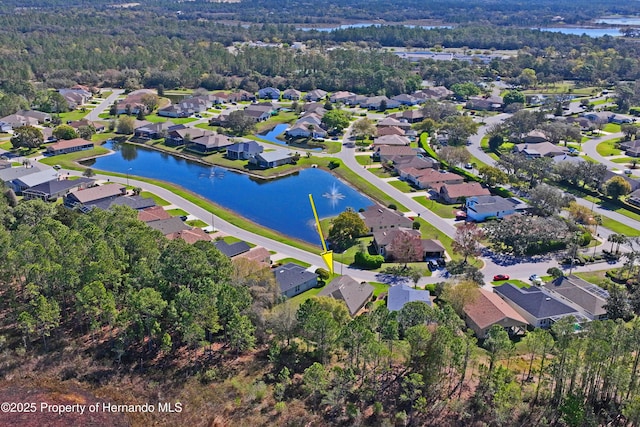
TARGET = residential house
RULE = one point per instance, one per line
(176, 111)
(306, 130)
(399, 295)
(455, 193)
(542, 149)
(238, 96)
(631, 148)
(388, 153)
(132, 104)
(292, 94)
(356, 100)
(191, 235)
(169, 226)
(634, 183)
(432, 179)
(390, 121)
(310, 118)
(294, 279)
(404, 164)
(598, 117)
(8, 174)
(378, 218)
(4, 164)
(272, 159)
(155, 130)
(377, 102)
(584, 123)
(209, 143)
(536, 305)
(621, 119)
(436, 92)
(257, 254)
(391, 140)
(178, 137)
(134, 202)
(390, 130)
(488, 309)
(153, 213)
(69, 146)
(85, 199)
(244, 150)
(76, 124)
(588, 298)
(341, 96)
(75, 96)
(535, 137)
(259, 112)
(403, 243)
(51, 190)
(187, 107)
(634, 198)
(315, 95)
(354, 294)
(405, 99)
(410, 116)
(492, 103)
(269, 93)
(24, 182)
(479, 208)
(231, 250)
(16, 120)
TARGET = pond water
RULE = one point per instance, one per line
(272, 135)
(628, 20)
(578, 31)
(279, 204)
(367, 24)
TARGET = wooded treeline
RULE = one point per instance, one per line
(508, 12)
(117, 295)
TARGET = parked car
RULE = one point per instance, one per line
(441, 262)
(501, 277)
(432, 266)
(57, 167)
(468, 166)
(534, 277)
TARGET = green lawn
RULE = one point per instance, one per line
(6, 145)
(402, 186)
(608, 148)
(159, 200)
(284, 261)
(382, 172)
(348, 255)
(364, 160)
(101, 137)
(177, 212)
(207, 127)
(68, 161)
(514, 282)
(72, 115)
(232, 239)
(379, 288)
(611, 128)
(299, 299)
(619, 227)
(595, 277)
(440, 209)
(197, 223)
(154, 118)
(623, 160)
(182, 121)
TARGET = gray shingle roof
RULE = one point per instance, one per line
(399, 295)
(353, 293)
(291, 275)
(231, 249)
(539, 303)
(168, 226)
(590, 297)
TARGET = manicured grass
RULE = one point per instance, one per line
(299, 299)
(105, 115)
(68, 161)
(154, 118)
(284, 261)
(379, 288)
(514, 282)
(348, 255)
(159, 200)
(608, 148)
(73, 115)
(595, 277)
(286, 117)
(623, 160)
(177, 212)
(6, 145)
(206, 126)
(14, 164)
(232, 239)
(619, 227)
(102, 137)
(184, 120)
(197, 223)
(382, 172)
(364, 160)
(332, 147)
(402, 186)
(611, 128)
(440, 209)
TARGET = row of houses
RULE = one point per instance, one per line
(516, 309)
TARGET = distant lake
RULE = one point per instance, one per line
(578, 31)
(279, 204)
(368, 24)
(619, 21)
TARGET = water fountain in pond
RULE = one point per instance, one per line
(213, 174)
(334, 195)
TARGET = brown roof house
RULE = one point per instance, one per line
(395, 140)
(354, 294)
(85, 198)
(488, 309)
(154, 213)
(431, 178)
(69, 146)
(454, 193)
(406, 245)
(535, 137)
(379, 218)
(541, 149)
(388, 153)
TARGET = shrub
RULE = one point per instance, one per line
(393, 207)
(416, 225)
(322, 273)
(367, 261)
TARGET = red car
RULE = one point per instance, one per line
(501, 277)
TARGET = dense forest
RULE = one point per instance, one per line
(100, 300)
(506, 12)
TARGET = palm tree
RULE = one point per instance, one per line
(617, 239)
